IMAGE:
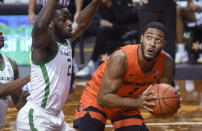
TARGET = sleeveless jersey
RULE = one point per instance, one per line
(6, 76)
(134, 81)
(50, 81)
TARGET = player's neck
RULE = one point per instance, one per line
(59, 40)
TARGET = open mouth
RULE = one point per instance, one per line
(150, 52)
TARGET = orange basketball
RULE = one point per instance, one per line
(167, 102)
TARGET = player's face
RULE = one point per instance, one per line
(63, 23)
(153, 41)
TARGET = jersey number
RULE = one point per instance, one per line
(134, 90)
(69, 68)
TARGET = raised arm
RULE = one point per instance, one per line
(84, 18)
(41, 37)
(169, 70)
(31, 13)
(111, 82)
(78, 4)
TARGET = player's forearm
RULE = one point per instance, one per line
(8, 88)
(85, 17)
(43, 20)
(32, 4)
(114, 101)
(78, 4)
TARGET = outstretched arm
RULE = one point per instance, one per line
(111, 82)
(84, 18)
(169, 70)
(41, 37)
(31, 13)
(8, 88)
(78, 4)
(16, 87)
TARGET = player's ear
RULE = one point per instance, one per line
(51, 25)
(141, 39)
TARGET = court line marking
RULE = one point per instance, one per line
(169, 123)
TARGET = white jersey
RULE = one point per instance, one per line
(6, 76)
(50, 81)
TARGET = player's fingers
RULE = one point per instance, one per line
(147, 89)
(149, 93)
(24, 95)
(149, 104)
(148, 109)
(150, 98)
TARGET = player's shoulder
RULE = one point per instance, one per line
(120, 53)
(118, 56)
(168, 62)
(12, 61)
(168, 58)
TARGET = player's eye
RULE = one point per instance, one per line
(158, 40)
(149, 37)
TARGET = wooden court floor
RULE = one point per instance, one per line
(188, 118)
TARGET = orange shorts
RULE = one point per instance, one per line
(119, 117)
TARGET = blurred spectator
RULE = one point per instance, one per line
(163, 11)
(186, 18)
(32, 4)
(123, 17)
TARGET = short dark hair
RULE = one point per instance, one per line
(156, 25)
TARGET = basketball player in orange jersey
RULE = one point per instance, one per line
(117, 89)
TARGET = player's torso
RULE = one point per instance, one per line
(50, 82)
(135, 81)
(6, 75)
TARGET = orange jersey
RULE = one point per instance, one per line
(134, 81)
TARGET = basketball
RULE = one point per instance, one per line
(167, 100)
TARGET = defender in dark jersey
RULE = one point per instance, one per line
(117, 90)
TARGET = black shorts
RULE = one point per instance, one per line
(92, 119)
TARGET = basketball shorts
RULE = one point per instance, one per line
(33, 118)
(93, 118)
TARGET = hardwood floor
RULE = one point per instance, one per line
(188, 118)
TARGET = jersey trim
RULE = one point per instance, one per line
(47, 88)
(12, 65)
(48, 60)
(31, 121)
(3, 63)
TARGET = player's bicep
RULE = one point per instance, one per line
(113, 75)
(41, 39)
(169, 70)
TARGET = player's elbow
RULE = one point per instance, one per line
(3, 94)
(101, 100)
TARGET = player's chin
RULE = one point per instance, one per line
(149, 58)
(68, 35)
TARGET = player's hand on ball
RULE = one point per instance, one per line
(144, 101)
